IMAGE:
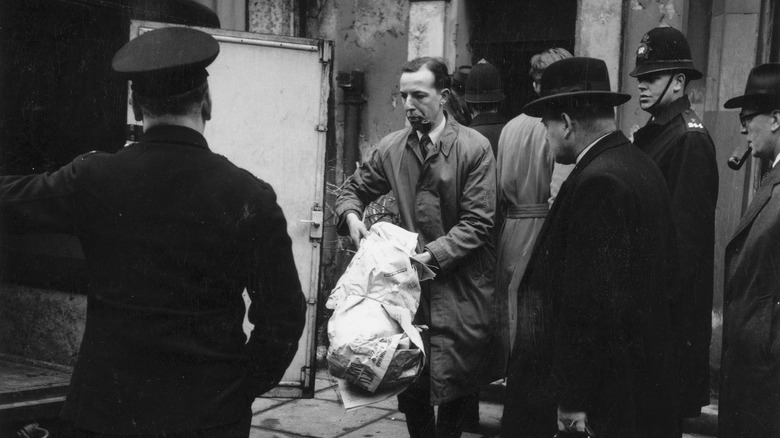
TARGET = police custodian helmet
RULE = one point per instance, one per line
(664, 49)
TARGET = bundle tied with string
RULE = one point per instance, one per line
(373, 344)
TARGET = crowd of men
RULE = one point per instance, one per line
(596, 305)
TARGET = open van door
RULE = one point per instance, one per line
(269, 117)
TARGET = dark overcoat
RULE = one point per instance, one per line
(594, 325)
(749, 404)
(489, 125)
(172, 234)
(448, 198)
(681, 146)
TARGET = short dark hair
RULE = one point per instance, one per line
(437, 66)
(582, 110)
(175, 105)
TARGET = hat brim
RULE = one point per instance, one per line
(692, 73)
(539, 107)
(495, 96)
(753, 98)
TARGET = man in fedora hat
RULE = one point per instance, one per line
(484, 94)
(750, 370)
(677, 141)
(172, 235)
(591, 352)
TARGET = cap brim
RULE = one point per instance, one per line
(692, 73)
(538, 108)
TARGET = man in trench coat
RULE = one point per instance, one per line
(443, 175)
(593, 311)
(750, 370)
(528, 180)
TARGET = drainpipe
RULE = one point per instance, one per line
(352, 84)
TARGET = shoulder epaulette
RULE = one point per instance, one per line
(84, 156)
(692, 121)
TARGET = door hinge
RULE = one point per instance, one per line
(326, 51)
(321, 128)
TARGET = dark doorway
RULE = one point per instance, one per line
(507, 33)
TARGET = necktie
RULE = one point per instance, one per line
(425, 144)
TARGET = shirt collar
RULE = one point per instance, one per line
(174, 134)
(671, 111)
(435, 132)
(777, 158)
(584, 151)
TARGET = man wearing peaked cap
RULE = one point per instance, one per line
(172, 234)
(750, 369)
(677, 141)
(592, 351)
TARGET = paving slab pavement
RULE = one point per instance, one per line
(324, 417)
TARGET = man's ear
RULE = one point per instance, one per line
(679, 82)
(137, 112)
(567, 124)
(775, 120)
(445, 94)
(205, 109)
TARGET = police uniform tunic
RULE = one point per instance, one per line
(172, 234)
(680, 145)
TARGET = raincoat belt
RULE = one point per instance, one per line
(527, 211)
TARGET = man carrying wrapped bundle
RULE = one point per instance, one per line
(443, 175)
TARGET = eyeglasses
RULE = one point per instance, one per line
(744, 118)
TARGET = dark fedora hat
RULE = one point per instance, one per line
(166, 61)
(574, 79)
(483, 84)
(763, 87)
(664, 49)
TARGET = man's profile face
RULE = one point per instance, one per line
(651, 86)
(758, 129)
(556, 139)
(423, 103)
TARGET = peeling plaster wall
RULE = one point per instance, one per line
(371, 36)
(275, 17)
(598, 33)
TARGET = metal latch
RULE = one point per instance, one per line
(315, 229)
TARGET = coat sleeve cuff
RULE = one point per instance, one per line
(341, 227)
(440, 255)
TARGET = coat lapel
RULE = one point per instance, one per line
(763, 195)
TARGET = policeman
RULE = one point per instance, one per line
(172, 234)
(484, 94)
(676, 139)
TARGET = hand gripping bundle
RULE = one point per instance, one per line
(373, 343)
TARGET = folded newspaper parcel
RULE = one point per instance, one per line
(373, 344)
